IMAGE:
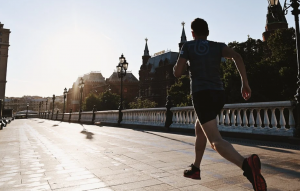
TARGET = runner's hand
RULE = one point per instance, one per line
(246, 91)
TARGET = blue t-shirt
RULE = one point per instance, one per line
(204, 60)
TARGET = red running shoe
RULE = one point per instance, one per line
(255, 177)
(193, 172)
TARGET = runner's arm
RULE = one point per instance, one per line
(179, 67)
(239, 63)
(238, 60)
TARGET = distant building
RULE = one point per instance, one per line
(156, 73)
(95, 83)
(272, 24)
(4, 44)
(130, 86)
(20, 103)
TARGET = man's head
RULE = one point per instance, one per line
(200, 28)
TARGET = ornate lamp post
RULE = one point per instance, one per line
(46, 104)
(40, 104)
(65, 96)
(121, 69)
(53, 99)
(27, 110)
(81, 85)
(295, 5)
(56, 114)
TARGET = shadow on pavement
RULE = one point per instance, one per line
(89, 135)
(284, 172)
(274, 149)
(168, 138)
(272, 146)
(56, 124)
(268, 145)
(41, 122)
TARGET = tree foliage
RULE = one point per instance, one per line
(103, 101)
(139, 103)
(271, 68)
(180, 92)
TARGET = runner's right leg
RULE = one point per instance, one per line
(224, 148)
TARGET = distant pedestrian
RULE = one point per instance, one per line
(207, 92)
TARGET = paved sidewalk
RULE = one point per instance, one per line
(37, 154)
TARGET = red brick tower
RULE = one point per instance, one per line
(275, 20)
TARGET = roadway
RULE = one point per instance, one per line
(39, 154)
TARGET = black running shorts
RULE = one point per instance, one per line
(208, 104)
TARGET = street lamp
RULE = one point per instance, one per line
(46, 104)
(53, 99)
(40, 104)
(295, 5)
(121, 69)
(27, 110)
(65, 96)
(81, 85)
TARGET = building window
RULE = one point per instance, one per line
(0, 39)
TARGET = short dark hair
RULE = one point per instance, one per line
(200, 27)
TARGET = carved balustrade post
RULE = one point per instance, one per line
(245, 118)
(233, 120)
(222, 118)
(251, 119)
(169, 114)
(258, 118)
(273, 119)
(266, 119)
(70, 115)
(238, 118)
(282, 119)
(56, 115)
(94, 110)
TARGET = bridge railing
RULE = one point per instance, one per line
(147, 116)
(110, 116)
(86, 116)
(270, 118)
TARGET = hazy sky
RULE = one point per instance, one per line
(52, 42)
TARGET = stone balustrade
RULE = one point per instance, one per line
(86, 116)
(111, 116)
(75, 116)
(59, 116)
(147, 116)
(269, 118)
(66, 117)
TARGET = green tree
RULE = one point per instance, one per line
(271, 68)
(108, 101)
(104, 101)
(180, 92)
(90, 101)
(139, 103)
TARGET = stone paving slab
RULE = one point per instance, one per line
(38, 154)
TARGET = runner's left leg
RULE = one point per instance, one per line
(200, 144)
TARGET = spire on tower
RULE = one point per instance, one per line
(146, 51)
(183, 37)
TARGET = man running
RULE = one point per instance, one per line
(208, 99)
